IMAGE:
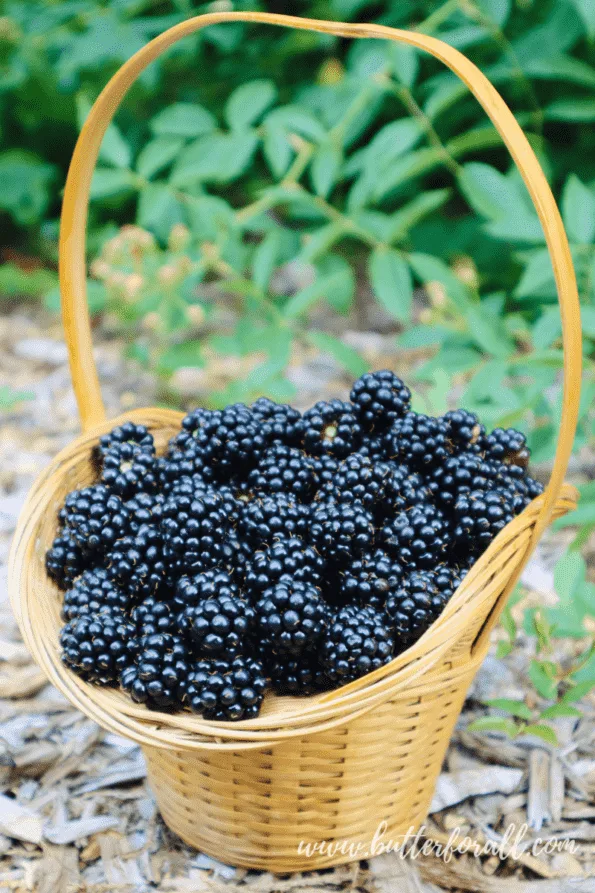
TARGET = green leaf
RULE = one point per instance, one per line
(249, 102)
(492, 194)
(347, 356)
(574, 111)
(296, 119)
(494, 724)
(158, 154)
(277, 150)
(325, 167)
(390, 278)
(343, 291)
(215, 158)
(515, 708)
(24, 186)
(586, 10)
(578, 691)
(559, 710)
(588, 321)
(547, 329)
(304, 299)
(108, 182)
(265, 259)
(159, 210)
(405, 62)
(538, 276)
(578, 210)
(542, 675)
(183, 119)
(546, 733)
(561, 68)
(180, 356)
(409, 215)
(10, 398)
(431, 269)
(114, 149)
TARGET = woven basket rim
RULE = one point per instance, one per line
(281, 717)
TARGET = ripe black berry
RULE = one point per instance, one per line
(286, 558)
(371, 579)
(136, 436)
(98, 646)
(418, 536)
(152, 616)
(478, 518)
(418, 440)
(194, 526)
(64, 560)
(358, 641)
(92, 592)
(359, 479)
(379, 398)
(279, 423)
(419, 600)
(284, 469)
(340, 531)
(331, 427)
(464, 430)
(220, 626)
(296, 677)
(138, 562)
(229, 440)
(265, 518)
(227, 691)
(506, 445)
(128, 469)
(95, 517)
(291, 617)
(213, 583)
(159, 674)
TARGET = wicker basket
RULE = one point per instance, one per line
(330, 768)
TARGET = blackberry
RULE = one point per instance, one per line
(464, 430)
(226, 690)
(417, 536)
(144, 508)
(194, 527)
(379, 399)
(264, 518)
(358, 479)
(331, 427)
(374, 446)
(279, 422)
(358, 641)
(507, 445)
(93, 592)
(152, 617)
(419, 441)
(159, 674)
(95, 517)
(460, 474)
(420, 599)
(478, 517)
(291, 617)
(404, 489)
(371, 579)
(183, 462)
(128, 469)
(220, 626)
(229, 440)
(136, 436)
(209, 584)
(64, 560)
(296, 677)
(340, 531)
(284, 469)
(98, 646)
(287, 557)
(138, 562)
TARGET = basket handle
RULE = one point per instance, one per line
(73, 275)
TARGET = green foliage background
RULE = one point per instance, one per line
(293, 173)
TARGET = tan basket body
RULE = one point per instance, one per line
(324, 769)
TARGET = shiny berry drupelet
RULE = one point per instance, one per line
(370, 580)
(506, 445)
(291, 618)
(192, 590)
(128, 469)
(359, 479)
(296, 676)
(358, 641)
(228, 440)
(463, 429)
(98, 646)
(95, 517)
(278, 422)
(194, 527)
(284, 469)
(65, 559)
(331, 427)
(226, 690)
(137, 436)
(419, 441)
(152, 616)
(93, 591)
(264, 518)
(379, 399)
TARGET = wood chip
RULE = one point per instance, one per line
(19, 822)
(457, 786)
(538, 800)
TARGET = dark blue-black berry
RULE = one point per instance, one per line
(65, 559)
(92, 592)
(478, 518)
(159, 674)
(358, 641)
(419, 441)
(291, 618)
(416, 537)
(278, 422)
(331, 427)
(370, 580)
(264, 518)
(220, 626)
(98, 646)
(419, 600)
(286, 558)
(284, 469)
(340, 531)
(226, 690)
(379, 399)
(95, 517)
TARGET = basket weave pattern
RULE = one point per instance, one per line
(330, 767)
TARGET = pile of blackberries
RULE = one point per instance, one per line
(273, 549)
